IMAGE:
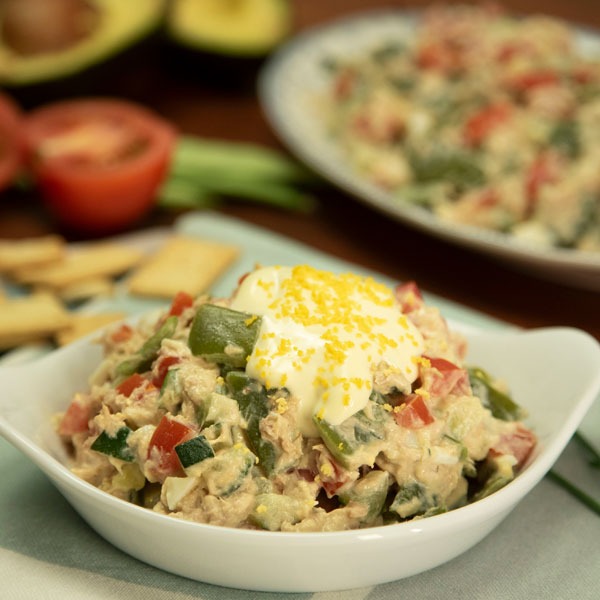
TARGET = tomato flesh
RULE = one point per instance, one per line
(444, 377)
(166, 436)
(98, 162)
(414, 413)
(130, 384)
(519, 444)
(481, 124)
(76, 418)
(181, 301)
(163, 368)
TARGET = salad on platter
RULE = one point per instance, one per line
(483, 118)
(307, 401)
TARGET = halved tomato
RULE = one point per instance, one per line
(98, 161)
(11, 142)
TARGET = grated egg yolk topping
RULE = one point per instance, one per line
(320, 336)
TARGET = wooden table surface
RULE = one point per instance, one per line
(341, 226)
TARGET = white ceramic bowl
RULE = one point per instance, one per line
(554, 373)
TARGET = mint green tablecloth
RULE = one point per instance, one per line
(548, 547)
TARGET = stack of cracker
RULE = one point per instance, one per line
(55, 275)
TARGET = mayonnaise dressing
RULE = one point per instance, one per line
(322, 335)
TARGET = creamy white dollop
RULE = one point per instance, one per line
(322, 335)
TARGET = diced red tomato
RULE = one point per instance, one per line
(479, 126)
(77, 416)
(168, 434)
(122, 334)
(519, 444)
(98, 162)
(162, 369)
(511, 50)
(379, 129)
(444, 56)
(583, 75)
(443, 378)
(181, 301)
(533, 79)
(414, 413)
(344, 84)
(130, 384)
(335, 480)
(544, 169)
(409, 296)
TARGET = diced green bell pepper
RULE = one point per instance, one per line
(458, 169)
(370, 490)
(222, 335)
(254, 406)
(357, 432)
(142, 360)
(499, 403)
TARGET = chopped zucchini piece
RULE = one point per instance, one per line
(194, 451)
(115, 446)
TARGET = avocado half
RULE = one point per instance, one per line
(119, 24)
(238, 28)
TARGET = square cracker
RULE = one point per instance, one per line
(31, 252)
(183, 264)
(97, 260)
(26, 318)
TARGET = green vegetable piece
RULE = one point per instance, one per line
(357, 432)
(205, 171)
(388, 51)
(565, 138)
(253, 402)
(499, 403)
(459, 169)
(493, 484)
(339, 444)
(370, 490)
(114, 446)
(411, 499)
(493, 474)
(228, 470)
(194, 451)
(222, 335)
(197, 158)
(272, 510)
(145, 356)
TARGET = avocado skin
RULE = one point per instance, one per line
(129, 74)
(95, 75)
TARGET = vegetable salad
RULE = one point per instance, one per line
(308, 401)
(484, 119)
